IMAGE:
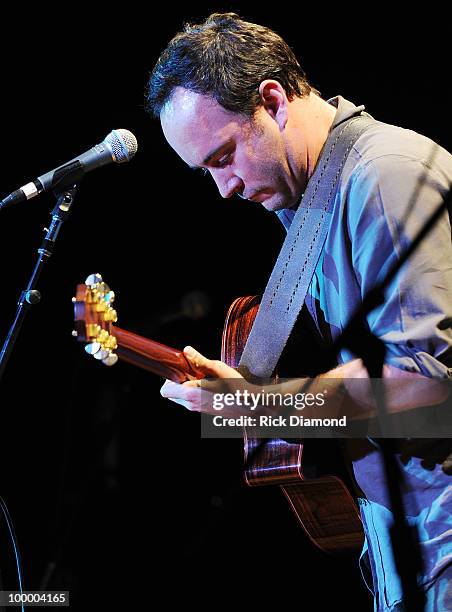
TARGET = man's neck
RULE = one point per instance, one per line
(313, 118)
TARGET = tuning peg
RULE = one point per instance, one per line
(110, 314)
(111, 343)
(93, 279)
(110, 360)
(101, 354)
(92, 348)
(74, 333)
(103, 336)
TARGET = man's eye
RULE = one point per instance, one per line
(223, 161)
(220, 163)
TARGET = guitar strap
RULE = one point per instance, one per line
(289, 281)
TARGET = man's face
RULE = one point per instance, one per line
(246, 156)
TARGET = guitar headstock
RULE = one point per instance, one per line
(94, 318)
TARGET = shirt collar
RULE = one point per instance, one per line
(345, 110)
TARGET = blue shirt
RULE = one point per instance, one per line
(374, 219)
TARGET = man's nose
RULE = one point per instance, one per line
(227, 186)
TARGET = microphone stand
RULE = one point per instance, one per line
(31, 295)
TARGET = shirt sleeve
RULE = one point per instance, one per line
(383, 218)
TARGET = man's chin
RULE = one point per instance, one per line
(276, 202)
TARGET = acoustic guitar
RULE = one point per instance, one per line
(323, 505)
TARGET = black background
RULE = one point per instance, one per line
(100, 474)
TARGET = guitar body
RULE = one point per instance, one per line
(322, 505)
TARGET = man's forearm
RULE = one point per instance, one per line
(348, 391)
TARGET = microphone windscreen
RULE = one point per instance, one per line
(123, 144)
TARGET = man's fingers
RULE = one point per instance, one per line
(170, 389)
(185, 403)
(193, 383)
(198, 360)
(180, 394)
(174, 390)
(211, 367)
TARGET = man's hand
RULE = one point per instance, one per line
(189, 394)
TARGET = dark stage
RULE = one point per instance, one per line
(113, 494)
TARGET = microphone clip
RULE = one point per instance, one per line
(67, 176)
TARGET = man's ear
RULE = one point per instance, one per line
(275, 101)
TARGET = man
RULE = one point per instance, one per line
(234, 102)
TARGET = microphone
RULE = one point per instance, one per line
(119, 146)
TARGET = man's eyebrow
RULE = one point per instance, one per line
(211, 155)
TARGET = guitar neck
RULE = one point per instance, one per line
(153, 356)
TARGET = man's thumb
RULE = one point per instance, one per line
(195, 357)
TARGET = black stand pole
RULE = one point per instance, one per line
(31, 295)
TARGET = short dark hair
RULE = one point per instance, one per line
(226, 58)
